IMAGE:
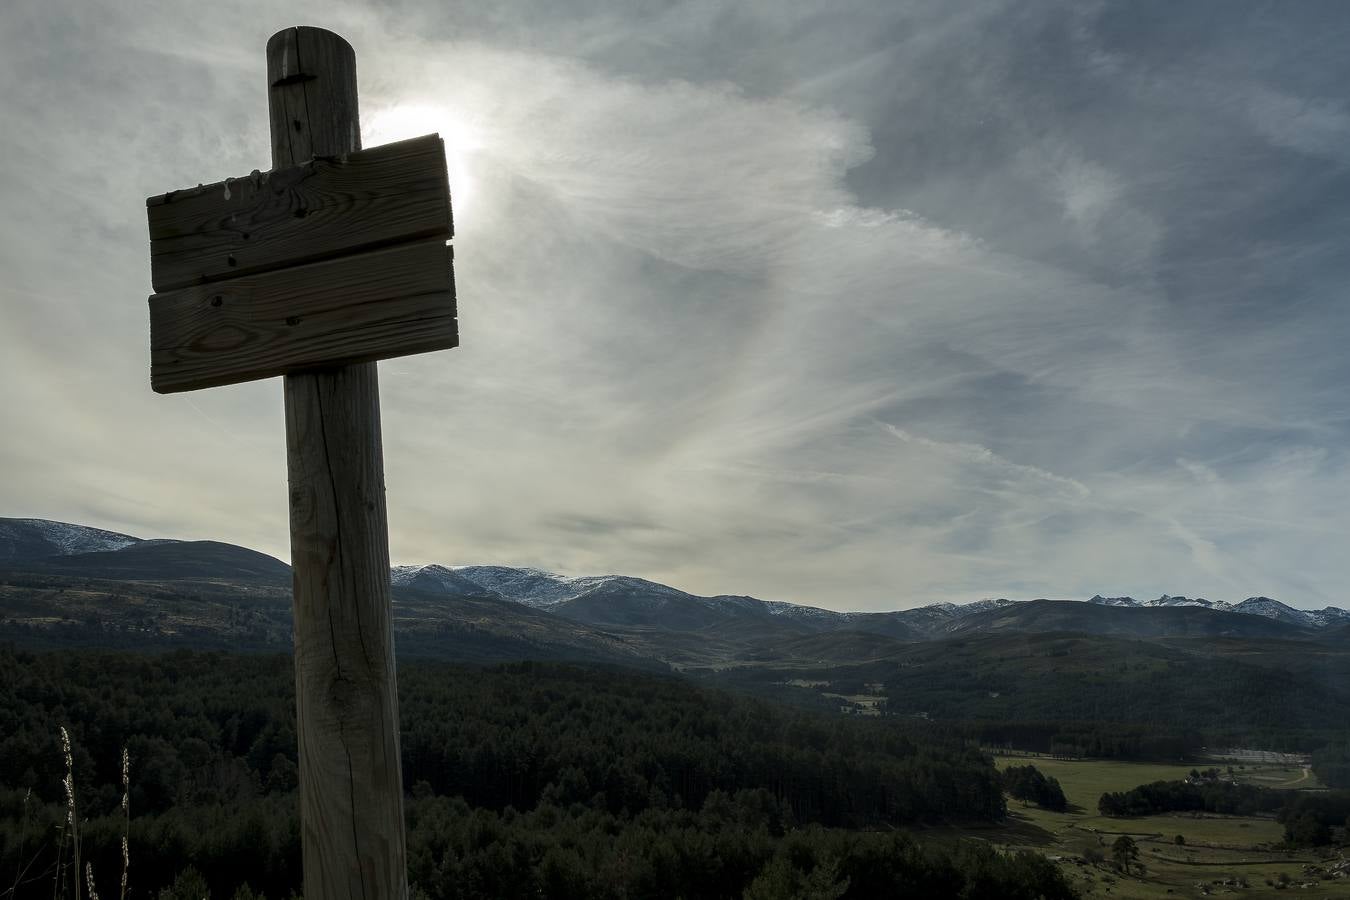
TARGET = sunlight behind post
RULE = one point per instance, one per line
(408, 120)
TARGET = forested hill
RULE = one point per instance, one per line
(1087, 695)
(499, 737)
(523, 780)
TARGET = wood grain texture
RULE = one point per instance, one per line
(327, 207)
(351, 785)
(346, 696)
(370, 306)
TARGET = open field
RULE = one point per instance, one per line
(1218, 850)
(1280, 776)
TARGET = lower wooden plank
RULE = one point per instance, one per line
(361, 308)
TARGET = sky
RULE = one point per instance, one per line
(864, 305)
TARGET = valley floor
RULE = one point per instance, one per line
(1220, 853)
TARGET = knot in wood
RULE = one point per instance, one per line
(343, 697)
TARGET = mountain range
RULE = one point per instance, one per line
(615, 613)
(1256, 606)
(1257, 671)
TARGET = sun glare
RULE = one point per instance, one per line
(397, 123)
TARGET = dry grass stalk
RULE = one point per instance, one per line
(126, 813)
(19, 867)
(72, 817)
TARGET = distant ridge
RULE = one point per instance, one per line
(624, 602)
(22, 539)
(1254, 606)
(1164, 600)
(620, 601)
(1144, 621)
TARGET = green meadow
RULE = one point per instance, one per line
(1221, 855)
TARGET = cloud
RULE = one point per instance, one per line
(1313, 126)
(983, 457)
(890, 317)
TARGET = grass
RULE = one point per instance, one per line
(1279, 776)
(1217, 850)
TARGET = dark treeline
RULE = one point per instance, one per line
(1309, 818)
(732, 848)
(1331, 764)
(1104, 697)
(522, 781)
(1135, 708)
(1029, 784)
(1224, 797)
(1099, 740)
(1316, 818)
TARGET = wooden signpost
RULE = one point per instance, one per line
(335, 258)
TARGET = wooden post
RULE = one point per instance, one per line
(346, 695)
(331, 260)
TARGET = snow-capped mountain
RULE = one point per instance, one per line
(436, 580)
(1114, 601)
(1252, 606)
(793, 611)
(27, 539)
(532, 587)
(535, 587)
(978, 606)
(1330, 615)
(1166, 600)
(1280, 612)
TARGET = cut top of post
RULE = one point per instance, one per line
(311, 68)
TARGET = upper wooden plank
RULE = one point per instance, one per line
(325, 208)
